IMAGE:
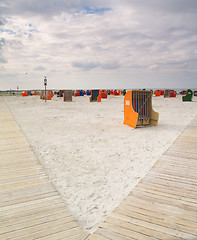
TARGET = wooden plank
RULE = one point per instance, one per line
(17, 155)
(164, 218)
(33, 211)
(41, 230)
(160, 208)
(7, 147)
(176, 186)
(74, 232)
(36, 222)
(173, 191)
(8, 136)
(130, 229)
(35, 215)
(20, 167)
(176, 169)
(164, 200)
(21, 194)
(181, 170)
(179, 161)
(176, 174)
(181, 153)
(36, 204)
(8, 133)
(185, 140)
(12, 129)
(177, 165)
(7, 125)
(38, 173)
(182, 149)
(190, 147)
(184, 180)
(25, 205)
(39, 195)
(126, 231)
(151, 226)
(22, 185)
(189, 133)
(110, 234)
(76, 237)
(34, 219)
(71, 232)
(97, 237)
(15, 162)
(13, 141)
(183, 159)
(168, 194)
(20, 140)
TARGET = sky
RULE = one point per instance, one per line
(105, 44)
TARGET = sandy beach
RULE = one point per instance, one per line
(92, 158)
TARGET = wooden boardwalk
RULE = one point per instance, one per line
(30, 206)
(163, 205)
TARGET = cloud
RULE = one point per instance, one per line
(51, 8)
(2, 42)
(86, 38)
(91, 65)
(2, 21)
(2, 59)
(7, 31)
(111, 65)
(154, 67)
(90, 10)
(85, 66)
(168, 6)
(40, 68)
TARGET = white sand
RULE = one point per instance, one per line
(91, 157)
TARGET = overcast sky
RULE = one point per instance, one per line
(84, 44)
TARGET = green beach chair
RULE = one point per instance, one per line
(188, 97)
